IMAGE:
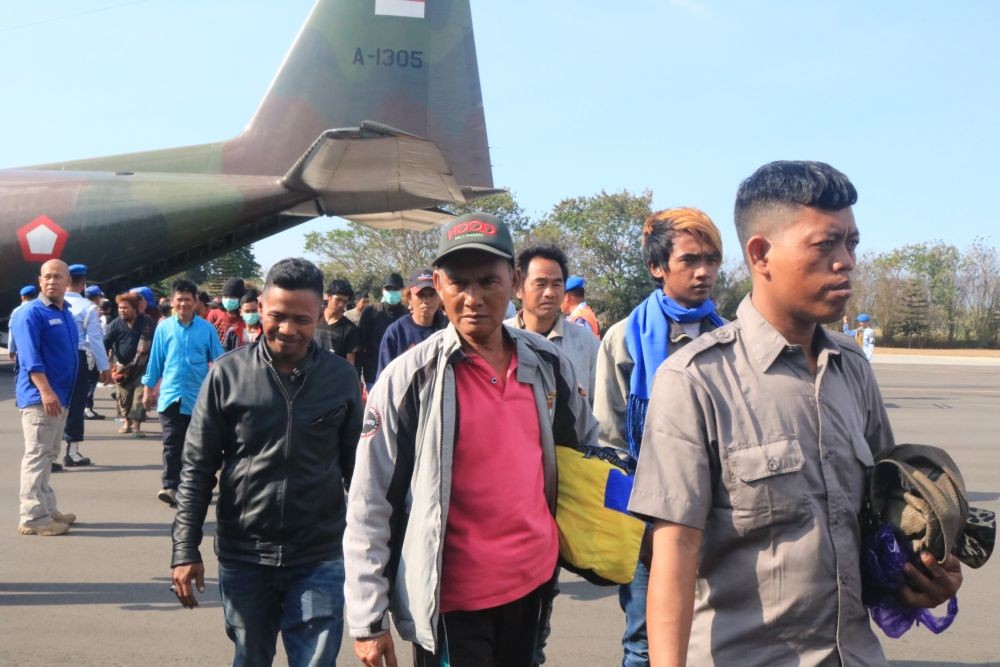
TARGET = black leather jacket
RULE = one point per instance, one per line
(285, 448)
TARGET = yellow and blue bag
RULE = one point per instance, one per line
(598, 539)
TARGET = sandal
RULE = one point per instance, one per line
(125, 429)
(139, 434)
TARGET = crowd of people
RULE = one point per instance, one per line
(399, 459)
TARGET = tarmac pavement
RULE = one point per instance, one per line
(99, 595)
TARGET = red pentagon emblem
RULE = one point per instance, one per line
(42, 239)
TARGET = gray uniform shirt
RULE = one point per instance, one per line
(743, 442)
(578, 344)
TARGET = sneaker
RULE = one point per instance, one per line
(75, 459)
(45, 527)
(88, 413)
(169, 496)
(69, 518)
(56, 467)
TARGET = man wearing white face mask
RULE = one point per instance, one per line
(250, 316)
(229, 315)
(373, 323)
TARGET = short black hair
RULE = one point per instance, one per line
(341, 287)
(183, 286)
(578, 292)
(204, 297)
(250, 296)
(788, 183)
(548, 251)
(295, 273)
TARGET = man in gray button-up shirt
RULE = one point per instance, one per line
(755, 452)
(541, 278)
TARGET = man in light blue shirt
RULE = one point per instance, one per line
(183, 347)
(91, 354)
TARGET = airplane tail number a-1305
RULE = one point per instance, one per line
(375, 115)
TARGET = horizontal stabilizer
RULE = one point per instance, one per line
(373, 169)
(420, 220)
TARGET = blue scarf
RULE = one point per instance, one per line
(647, 337)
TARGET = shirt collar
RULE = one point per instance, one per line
(47, 302)
(555, 332)
(764, 343)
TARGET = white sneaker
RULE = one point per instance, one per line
(169, 496)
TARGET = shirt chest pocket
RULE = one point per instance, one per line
(766, 483)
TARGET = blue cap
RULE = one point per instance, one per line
(146, 294)
(93, 291)
(575, 282)
(863, 317)
(77, 269)
(29, 290)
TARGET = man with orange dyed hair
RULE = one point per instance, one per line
(682, 249)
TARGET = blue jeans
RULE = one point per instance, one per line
(304, 602)
(632, 598)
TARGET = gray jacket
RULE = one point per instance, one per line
(398, 504)
(578, 343)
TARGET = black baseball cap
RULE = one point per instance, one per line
(421, 278)
(393, 281)
(475, 231)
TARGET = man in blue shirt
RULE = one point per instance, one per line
(425, 318)
(47, 355)
(183, 347)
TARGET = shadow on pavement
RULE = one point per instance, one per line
(129, 596)
(982, 497)
(583, 590)
(97, 467)
(120, 530)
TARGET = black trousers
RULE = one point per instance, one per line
(503, 636)
(175, 426)
(73, 431)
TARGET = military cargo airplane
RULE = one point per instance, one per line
(375, 115)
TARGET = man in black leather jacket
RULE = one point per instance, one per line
(281, 419)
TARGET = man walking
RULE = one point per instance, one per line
(335, 332)
(682, 250)
(762, 433)
(47, 348)
(541, 277)
(280, 418)
(373, 323)
(450, 518)
(424, 319)
(183, 347)
(91, 355)
(360, 303)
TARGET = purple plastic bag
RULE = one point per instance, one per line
(882, 563)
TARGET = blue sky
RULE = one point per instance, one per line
(682, 97)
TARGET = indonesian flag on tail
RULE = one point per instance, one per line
(409, 8)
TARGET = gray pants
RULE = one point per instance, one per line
(42, 438)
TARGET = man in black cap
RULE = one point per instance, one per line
(229, 315)
(425, 318)
(459, 435)
(91, 355)
(374, 322)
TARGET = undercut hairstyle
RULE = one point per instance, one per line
(295, 273)
(661, 229)
(339, 287)
(787, 184)
(182, 286)
(544, 251)
(130, 299)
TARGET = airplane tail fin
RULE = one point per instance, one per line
(407, 64)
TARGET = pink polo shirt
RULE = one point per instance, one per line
(501, 541)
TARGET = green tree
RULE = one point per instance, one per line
(915, 317)
(211, 275)
(600, 234)
(732, 284)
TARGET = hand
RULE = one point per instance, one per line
(371, 650)
(105, 377)
(148, 398)
(182, 576)
(51, 404)
(930, 591)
